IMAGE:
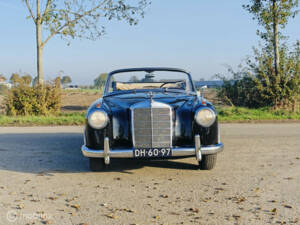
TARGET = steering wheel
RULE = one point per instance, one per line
(164, 84)
(171, 83)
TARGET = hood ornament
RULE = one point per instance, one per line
(150, 94)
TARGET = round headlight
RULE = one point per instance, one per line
(98, 119)
(205, 117)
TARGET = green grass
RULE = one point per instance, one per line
(225, 114)
(61, 119)
(83, 90)
(240, 114)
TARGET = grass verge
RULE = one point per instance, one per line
(226, 114)
(240, 114)
(61, 119)
(82, 90)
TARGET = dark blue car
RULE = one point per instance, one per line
(151, 113)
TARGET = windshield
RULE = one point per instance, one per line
(141, 80)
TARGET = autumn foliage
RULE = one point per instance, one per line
(23, 99)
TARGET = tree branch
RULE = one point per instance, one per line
(46, 9)
(70, 22)
(30, 11)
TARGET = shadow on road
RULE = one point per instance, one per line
(36, 153)
(125, 165)
(60, 152)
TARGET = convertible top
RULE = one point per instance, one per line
(140, 85)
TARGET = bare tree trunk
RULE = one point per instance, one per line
(39, 46)
(275, 35)
(39, 55)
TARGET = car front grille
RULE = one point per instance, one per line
(152, 126)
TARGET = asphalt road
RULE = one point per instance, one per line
(44, 179)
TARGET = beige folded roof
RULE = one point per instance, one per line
(132, 86)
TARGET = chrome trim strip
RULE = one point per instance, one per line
(198, 148)
(128, 153)
(106, 152)
(84, 139)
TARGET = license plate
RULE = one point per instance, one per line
(152, 152)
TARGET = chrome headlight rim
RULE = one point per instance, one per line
(100, 126)
(208, 124)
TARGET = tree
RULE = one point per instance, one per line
(2, 78)
(100, 80)
(27, 79)
(35, 81)
(14, 79)
(271, 14)
(70, 19)
(274, 71)
(57, 82)
(282, 91)
(134, 79)
(66, 80)
(256, 85)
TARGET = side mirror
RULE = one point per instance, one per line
(202, 91)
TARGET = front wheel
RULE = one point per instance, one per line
(208, 162)
(97, 164)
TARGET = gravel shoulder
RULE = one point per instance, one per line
(44, 179)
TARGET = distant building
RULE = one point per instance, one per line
(71, 86)
(209, 83)
(5, 84)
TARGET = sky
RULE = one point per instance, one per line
(200, 36)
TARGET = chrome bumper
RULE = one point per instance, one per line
(197, 151)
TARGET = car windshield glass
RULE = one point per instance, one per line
(141, 80)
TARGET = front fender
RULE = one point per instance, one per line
(208, 135)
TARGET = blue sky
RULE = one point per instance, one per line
(199, 36)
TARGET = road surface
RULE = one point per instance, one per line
(45, 180)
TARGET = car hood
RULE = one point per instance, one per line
(125, 101)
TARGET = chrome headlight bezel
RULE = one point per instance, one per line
(98, 124)
(199, 118)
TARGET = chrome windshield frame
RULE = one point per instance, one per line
(148, 70)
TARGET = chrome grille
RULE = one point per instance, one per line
(152, 125)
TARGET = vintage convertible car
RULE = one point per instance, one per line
(151, 113)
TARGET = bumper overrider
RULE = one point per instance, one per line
(197, 151)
